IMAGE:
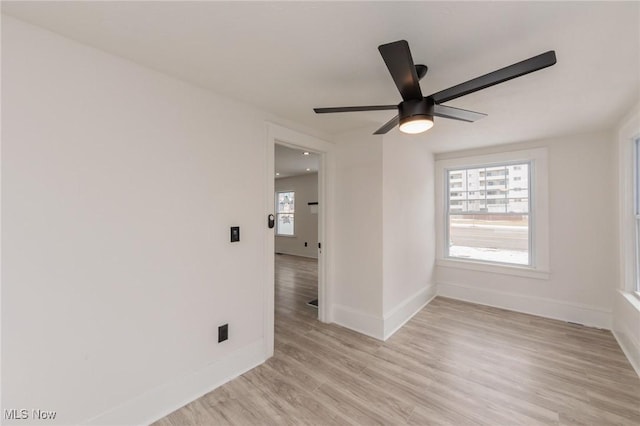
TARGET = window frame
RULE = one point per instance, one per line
(278, 213)
(538, 210)
(447, 215)
(636, 211)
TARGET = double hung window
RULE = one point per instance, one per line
(488, 213)
(285, 213)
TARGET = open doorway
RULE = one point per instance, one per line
(296, 242)
(316, 272)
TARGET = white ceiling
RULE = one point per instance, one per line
(288, 57)
(293, 162)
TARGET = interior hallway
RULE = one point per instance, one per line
(453, 363)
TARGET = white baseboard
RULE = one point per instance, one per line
(626, 326)
(359, 321)
(583, 314)
(298, 254)
(406, 309)
(159, 402)
(630, 348)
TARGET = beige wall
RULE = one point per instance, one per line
(305, 222)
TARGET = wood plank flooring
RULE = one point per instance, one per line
(454, 363)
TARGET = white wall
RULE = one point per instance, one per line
(582, 241)
(357, 287)
(119, 186)
(384, 231)
(305, 222)
(408, 227)
(626, 310)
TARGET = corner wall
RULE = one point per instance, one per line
(408, 228)
(385, 231)
(582, 239)
(357, 287)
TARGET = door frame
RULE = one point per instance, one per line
(326, 171)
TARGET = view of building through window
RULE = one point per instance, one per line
(285, 212)
(488, 213)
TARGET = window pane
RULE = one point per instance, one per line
(489, 213)
(285, 224)
(479, 206)
(518, 205)
(286, 202)
(488, 237)
(458, 206)
(496, 205)
(285, 209)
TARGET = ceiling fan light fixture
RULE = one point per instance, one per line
(416, 116)
(416, 124)
(415, 112)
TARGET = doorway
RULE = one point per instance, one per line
(296, 233)
(282, 138)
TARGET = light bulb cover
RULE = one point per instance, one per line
(416, 116)
(416, 124)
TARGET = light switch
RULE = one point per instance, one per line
(235, 234)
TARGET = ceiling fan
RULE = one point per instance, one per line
(415, 112)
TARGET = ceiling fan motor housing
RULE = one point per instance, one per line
(413, 109)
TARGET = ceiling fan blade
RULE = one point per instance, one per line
(496, 77)
(457, 113)
(355, 108)
(397, 56)
(388, 126)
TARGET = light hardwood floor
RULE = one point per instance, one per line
(454, 363)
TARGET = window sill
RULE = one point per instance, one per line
(286, 236)
(519, 271)
(633, 297)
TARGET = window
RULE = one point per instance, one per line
(490, 225)
(285, 213)
(637, 210)
(501, 228)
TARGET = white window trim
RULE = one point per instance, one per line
(538, 215)
(636, 212)
(628, 133)
(275, 202)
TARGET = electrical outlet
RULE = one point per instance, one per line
(223, 333)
